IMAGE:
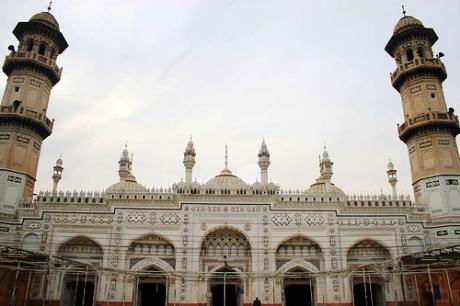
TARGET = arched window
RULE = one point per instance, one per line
(410, 55)
(16, 105)
(30, 45)
(42, 49)
(420, 52)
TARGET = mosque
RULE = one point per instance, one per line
(227, 242)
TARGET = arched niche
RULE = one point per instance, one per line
(149, 247)
(367, 252)
(31, 242)
(81, 248)
(414, 245)
(225, 246)
(300, 249)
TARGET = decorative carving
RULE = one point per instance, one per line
(186, 219)
(204, 226)
(247, 227)
(314, 220)
(281, 219)
(170, 218)
(33, 225)
(265, 220)
(414, 228)
(101, 219)
(153, 218)
(65, 219)
(136, 217)
(266, 263)
(298, 219)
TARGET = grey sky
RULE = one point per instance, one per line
(299, 73)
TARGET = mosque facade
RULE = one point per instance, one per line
(227, 242)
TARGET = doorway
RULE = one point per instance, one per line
(230, 298)
(151, 294)
(368, 295)
(79, 293)
(298, 295)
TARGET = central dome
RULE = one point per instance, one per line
(225, 180)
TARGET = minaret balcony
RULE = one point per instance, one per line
(432, 66)
(28, 117)
(429, 120)
(24, 59)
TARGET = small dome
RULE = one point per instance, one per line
(180, 185)
(126, 186)
(45, 18)
(196, 185)
(407, 22)
(257, 186)
(323, 188)
(226, 179)
(391, 166)
(59, 162)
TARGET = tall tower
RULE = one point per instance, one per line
(32, 72)
(429, 127)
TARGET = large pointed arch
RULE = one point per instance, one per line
(299, 248)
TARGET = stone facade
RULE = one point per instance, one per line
(227, 242)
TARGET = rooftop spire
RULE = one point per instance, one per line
(226, 156)
(403, 10)
(49, 6)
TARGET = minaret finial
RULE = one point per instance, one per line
(49, 6)
(126, 144)
(226, 156)
(403, 10)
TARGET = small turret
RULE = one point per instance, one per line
(264, 163)
(189, 161)
(392, 179)
(325, 166)
(57, 174)
(125, 166)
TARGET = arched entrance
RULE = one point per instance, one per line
(80, 281)
(226, 252)
(298, 288)
(367, 285)
(151, 288)
(226, 288)
(151, 256)
(296, 258)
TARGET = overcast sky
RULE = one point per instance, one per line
(299, 73)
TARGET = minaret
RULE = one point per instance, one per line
(32, 72)
(429, 127)
(57, 174)
(264, 163)
(125, 166)
(325, 167)
(189, 161)
(392, 179)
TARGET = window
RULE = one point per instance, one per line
(410, 55)
(30, 45)
(42, 49)
(420, 52)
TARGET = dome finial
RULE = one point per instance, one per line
(226, 156)
(49, 6)
(403, 10)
